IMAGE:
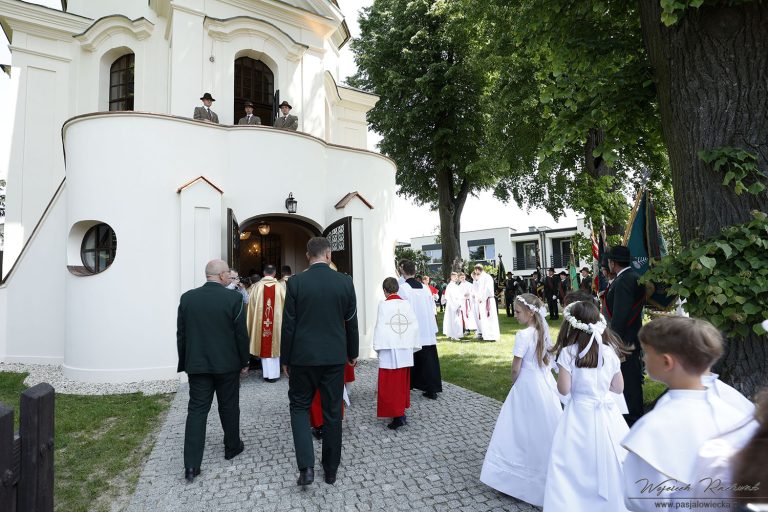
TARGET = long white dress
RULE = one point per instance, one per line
(585, 472)
(487, 313)
(516, 460)
(452, 321)
(467, 306)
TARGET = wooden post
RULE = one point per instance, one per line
(7, 471)
(37, 429)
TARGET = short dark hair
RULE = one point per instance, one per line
(390, 285)
(317, 246)
(270, 270)
(408, 267)
(697, 344)
(286, 269)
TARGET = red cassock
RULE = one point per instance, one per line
(394, 395)
(316, 411)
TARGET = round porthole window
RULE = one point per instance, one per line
(98, 248)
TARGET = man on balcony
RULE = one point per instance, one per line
(205, 113)
(249, 118)
(285, 121)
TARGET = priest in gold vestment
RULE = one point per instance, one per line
(265, 316)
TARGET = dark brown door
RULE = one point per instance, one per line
(233, 240)
(340, 235)
(254, 82)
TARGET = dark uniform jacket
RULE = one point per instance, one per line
(319, 319)
(211, 334)
(253, 120)
(202, 114)
(624, 303)
(551, 286)
(287, 123)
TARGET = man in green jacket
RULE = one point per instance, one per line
(212, 340)
(319, 336)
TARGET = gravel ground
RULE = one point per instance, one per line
(54, 375)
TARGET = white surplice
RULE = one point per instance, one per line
(423, 306)
(396, 334)
(452, 321)
(487, 314)
(468, 306)
(664, 447)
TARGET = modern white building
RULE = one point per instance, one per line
(521, 251)
(117, 198)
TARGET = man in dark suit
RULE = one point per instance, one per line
(624, 304)
(319, 337)
(585, 282)
(205, 113)
(551, 289)
(212, 340)
(249, 118)
(284, 120)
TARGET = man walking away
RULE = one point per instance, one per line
(212, 342)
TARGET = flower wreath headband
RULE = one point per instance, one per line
(597, 329)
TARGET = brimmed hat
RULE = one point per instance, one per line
(247, 104)
(619, 254)
(551, 269)
(285, 104)
(584, 269)
(563, 273)
(207, 96)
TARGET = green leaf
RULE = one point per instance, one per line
(752, 309)
(756, 188)
(708, 262)
(758, 329)
(726, 248)
(720, 299)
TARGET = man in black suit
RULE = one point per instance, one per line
(624, 304)
(551, 289)
(319, 337)
(212, 340)
(585, 282)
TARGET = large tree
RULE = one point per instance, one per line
(420, 57)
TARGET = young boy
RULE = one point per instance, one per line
(664, 444)
(395, 339)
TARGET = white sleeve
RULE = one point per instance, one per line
(566, 359)
(521, 344)
(638, 474)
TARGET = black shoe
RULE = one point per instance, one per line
(191, 473)
(317, 432)
(271, 380)
(235, 453)
(306, 476)
(266, 379)
(431, 396)
(396, 423)
(330, 477)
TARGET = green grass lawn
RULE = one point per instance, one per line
(485, 367)
(101, 443)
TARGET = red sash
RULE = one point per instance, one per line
(267, 321)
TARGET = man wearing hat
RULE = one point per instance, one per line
(564, 286)
(205, 113)
(624, 304)
(585, 282)
(285, 120)
(249, 118)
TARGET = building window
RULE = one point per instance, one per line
(121, 83)
(434, 255)
(485, 252)
(98, 248)
(530, 254)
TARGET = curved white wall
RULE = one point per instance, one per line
(124, 169)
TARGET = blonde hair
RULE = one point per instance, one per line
(539, 325)
(695, 343)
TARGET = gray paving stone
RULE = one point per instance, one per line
(431, 464)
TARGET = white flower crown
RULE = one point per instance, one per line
(598, 326)
(540, 310)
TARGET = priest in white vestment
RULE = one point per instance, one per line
(467, 307)
(426, 365)
(265, 317)
(395, 339)
(453, 323)
(488, 314)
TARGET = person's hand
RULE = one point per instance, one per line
(244, 372)
(353, 362)
(285, 371)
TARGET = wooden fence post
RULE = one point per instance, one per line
(7, 470)
(36, 432)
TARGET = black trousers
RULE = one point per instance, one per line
(425, 374)
(201, 389)
(302, 383)
(509, 299)
(632, 371)
(553, 313)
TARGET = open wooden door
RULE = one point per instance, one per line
(233, 241)
(340, 235)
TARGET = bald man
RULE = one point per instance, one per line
(212, 340)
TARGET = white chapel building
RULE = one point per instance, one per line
(116, 197)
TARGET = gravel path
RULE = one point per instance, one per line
(432, 464)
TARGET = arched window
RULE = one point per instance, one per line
(98, 248)
(121, 83)
(254, 82)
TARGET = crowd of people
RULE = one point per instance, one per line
(571, 434)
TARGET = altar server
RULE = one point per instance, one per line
(453, 321)
(467, 307)
(265, 317)
(487, 312)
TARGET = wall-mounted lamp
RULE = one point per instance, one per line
(263, 228)
(245, 235)
(290, 203)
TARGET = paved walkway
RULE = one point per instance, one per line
(432, 464)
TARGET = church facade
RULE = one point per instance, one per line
(117, 198)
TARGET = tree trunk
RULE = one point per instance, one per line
(449, 208)
(711, 74)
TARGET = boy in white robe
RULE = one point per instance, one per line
(467, 309)
(487, 312)
(453, 324)
(395, 339)
(661, 467)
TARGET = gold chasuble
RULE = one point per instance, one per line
(265, 317)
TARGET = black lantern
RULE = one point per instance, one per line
(290, 203)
